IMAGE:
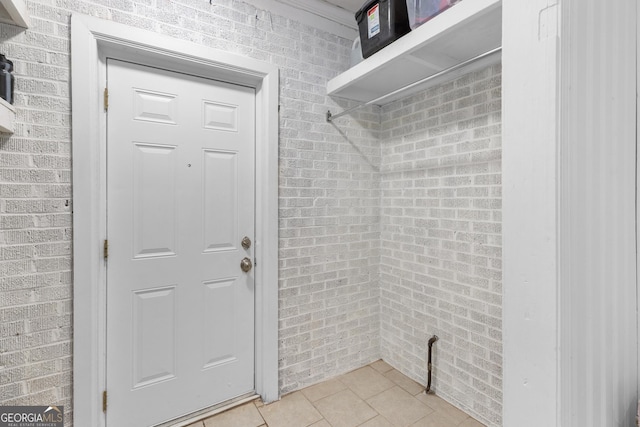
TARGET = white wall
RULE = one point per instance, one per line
(329, 194)
(330, 200)
(570, 293)
(598, 292)
(441, 254)
(530, 128)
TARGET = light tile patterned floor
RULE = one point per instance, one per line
(373, 396)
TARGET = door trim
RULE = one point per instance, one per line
(92, 41)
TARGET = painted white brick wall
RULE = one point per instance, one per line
(441, 239)
(346, 290)
(329, 238)
(329, 194)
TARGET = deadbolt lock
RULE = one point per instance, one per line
(246, 265)
(246, 242)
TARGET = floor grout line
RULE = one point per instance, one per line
(366, 378)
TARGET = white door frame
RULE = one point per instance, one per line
(92, 40)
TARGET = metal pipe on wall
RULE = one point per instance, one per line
(432, 340)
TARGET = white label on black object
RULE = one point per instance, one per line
(373, 20)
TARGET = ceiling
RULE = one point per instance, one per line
(338, 11)
(350, 5)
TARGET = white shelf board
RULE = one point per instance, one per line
(466, 30)
(14, 12)
(7, 117)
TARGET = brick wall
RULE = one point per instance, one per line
(441, 239)
(388, 232)
(329, 206)
(329, 242)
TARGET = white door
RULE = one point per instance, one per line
(180, 196)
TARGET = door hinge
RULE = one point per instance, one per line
(105, 249)
(104, 401)
(106, 99)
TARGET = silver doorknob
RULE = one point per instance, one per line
(246, 265)
(246, 242)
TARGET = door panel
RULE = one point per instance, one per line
(220, 207)
(180, 196)
(219, 341)
(154, 325)
(154, 200)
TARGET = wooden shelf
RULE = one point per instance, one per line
(14, 12)
(7, 117)
(466, 30)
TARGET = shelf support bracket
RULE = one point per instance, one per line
(331, 117)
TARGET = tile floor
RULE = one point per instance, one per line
(373, 396)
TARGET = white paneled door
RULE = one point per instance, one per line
(180, 201)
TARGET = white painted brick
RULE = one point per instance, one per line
(375, 254)
(35, 215)
(461, 303)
